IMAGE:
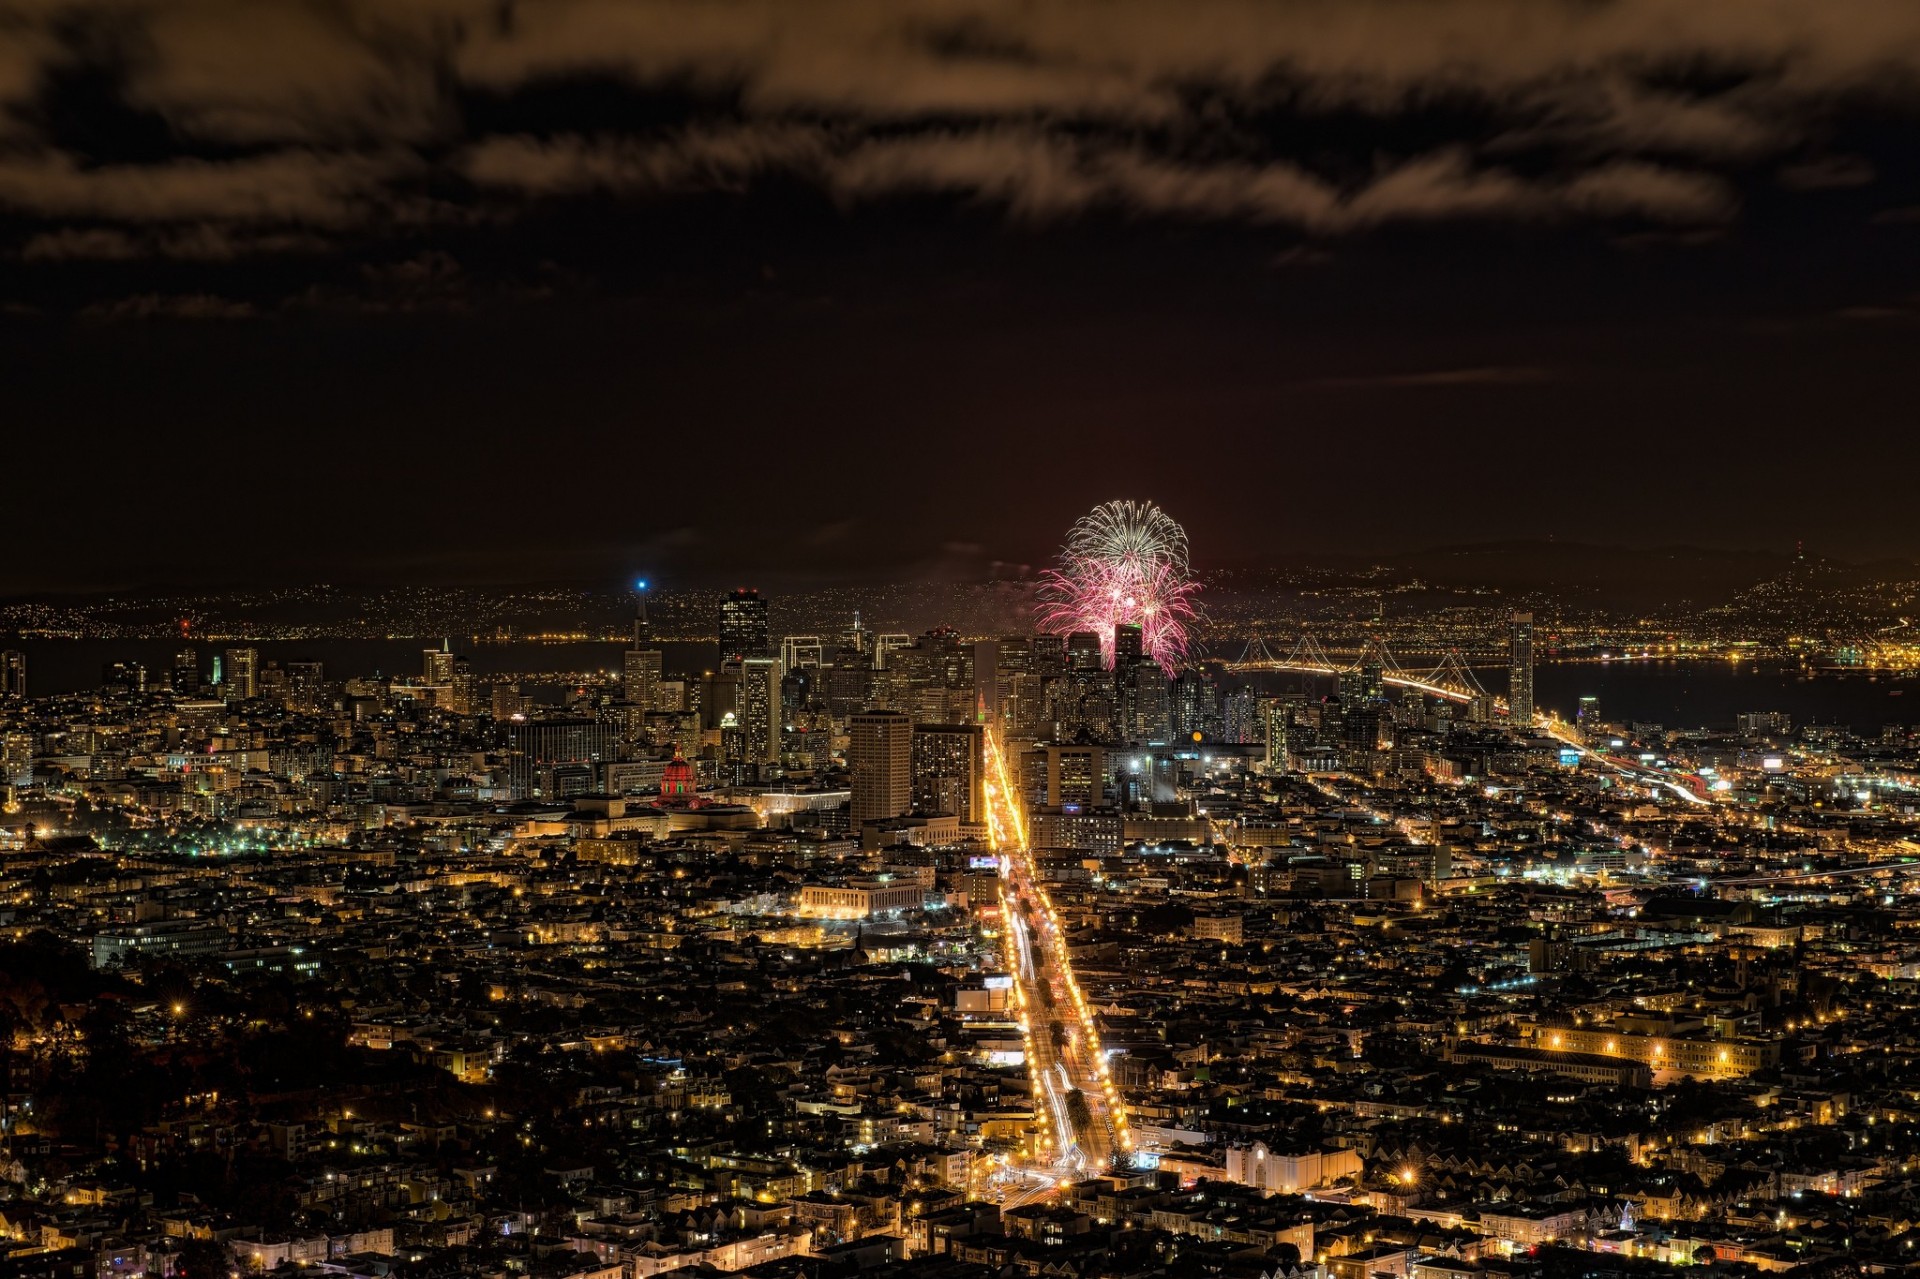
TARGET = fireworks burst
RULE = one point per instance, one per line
(1124, 563)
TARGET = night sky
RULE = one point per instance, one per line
(480, 291)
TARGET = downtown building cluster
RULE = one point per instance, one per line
(704, 971)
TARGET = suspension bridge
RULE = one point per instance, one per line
(1452, 678)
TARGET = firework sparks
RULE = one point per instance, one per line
(1125, 563)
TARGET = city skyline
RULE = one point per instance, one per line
(959, 639)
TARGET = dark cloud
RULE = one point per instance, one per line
(1481, 375)
(187, 306)
(353, 116)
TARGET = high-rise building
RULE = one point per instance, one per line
(13, 673)
(128, 677)
(880, 754)
(759, 713)
(1196, 705)
(306, 686)
(436, 665)
(1068, 776)
(1129, 644)
(554, 758)
(640, 678)
(1279, 717)
(855, 637)
(186, 673)
(1083, 651)
(1587, 718)
(949, 767)
(743, 626)
(1520, 670)
(801, 652)
(242, 674)
(1152, 703)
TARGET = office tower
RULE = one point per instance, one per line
(554, 758)
(1240, 717)
(128, 677)
(186, 673)
(508, 702)
(1129, 644)
(1196, 706)
(13, 673)
(640, 678)
(306, 686)
(1587, 718)
(1279, 718)
(464, 686)
(1365, 683)
(759, 712)
(1152, 703)
(436, 665)
(880, 754)
(242, 667)
(1520, 670)
(885, 645)
(801, 652)
(849, 683)
(1074, 776)
(743, 626)
(1048, 655)
(642, 626)
(1083, 651)
(720, 695)
(1763, 723)
(949, 768)
(16, 759)
(855, 637)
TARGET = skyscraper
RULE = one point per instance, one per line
(242, 674)
(1279, 717)
(743, 626)
(186, 673)
(640, 678)
(436, 665)
(760, 718)
(950, 770)
(880, 753)
(1520, 669)
(801, 652)
(1587, 719)
(13, 673)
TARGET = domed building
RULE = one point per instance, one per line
(678, 789)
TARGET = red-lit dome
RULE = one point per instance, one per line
(676, 782)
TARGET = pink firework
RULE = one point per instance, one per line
(1125, 563)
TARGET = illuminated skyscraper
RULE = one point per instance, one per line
(950, 770)
(759, 715)
(801, 652)
(1279, 718)
(1520, 669)
(13, 673)
(436, 665)
(640, 678)
(1587, 718)
(880, 754)
(743, 626)
(242, 674)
